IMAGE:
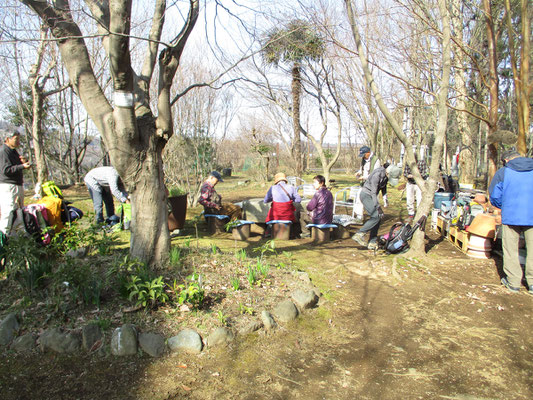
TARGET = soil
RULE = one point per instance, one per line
(386, 327)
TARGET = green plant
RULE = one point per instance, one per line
(262, 268)
(27, 262)
(104, 243)
(191, 292)
(235, 283)
(104, 323)
(251, 276)
(222, 318)
(232, 224)
(73, 237)
(214, 248)
(187, 243)
(175, 191)
(245, 310)
(241, 255)
(147, 293)
(175, 256)
(267, 247)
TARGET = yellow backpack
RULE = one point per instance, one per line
(53, 206)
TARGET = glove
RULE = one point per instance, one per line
(381, 214)
(385, 201)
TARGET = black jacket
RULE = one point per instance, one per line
(10, 166)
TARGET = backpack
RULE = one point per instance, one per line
(35, 224)
(397, 240)
(124, 210)
(50, 188)
(54, 207)
(72, 214)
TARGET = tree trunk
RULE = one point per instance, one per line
(296, 90)
(493, 91)
(466, 166)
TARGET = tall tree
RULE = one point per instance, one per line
(428, 186)
(294, 43)
(133, 135)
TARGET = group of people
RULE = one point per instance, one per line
(283, 198)
(511, 190)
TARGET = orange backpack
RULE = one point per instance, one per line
(53, 206)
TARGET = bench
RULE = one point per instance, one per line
(216, 223)
(242, 230)
(320, 233)
(281, 229)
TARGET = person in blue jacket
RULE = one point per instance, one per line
(511, 190)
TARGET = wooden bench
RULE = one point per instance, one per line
(242, 230)
(216, 223)
(320, 233)
(281, 229)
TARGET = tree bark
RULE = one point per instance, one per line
(493, 91)
(134, 141)
(296, 89)
(466, 157)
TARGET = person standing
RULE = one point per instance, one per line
(511, 190)
(369, 163)
(412, 191)
(12, 165)
(376, 182)
(212, 201)
(103, 183)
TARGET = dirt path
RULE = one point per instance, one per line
(441, 328)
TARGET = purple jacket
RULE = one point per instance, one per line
(321, 206)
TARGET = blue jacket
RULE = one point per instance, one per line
(511, 190)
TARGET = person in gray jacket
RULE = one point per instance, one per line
(376, 182)
(103, 183)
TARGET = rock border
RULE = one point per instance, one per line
(126, 340)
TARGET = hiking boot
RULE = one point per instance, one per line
(359, 237)
(358, 221)
(372, 245)
(506, 283)
(530, 291)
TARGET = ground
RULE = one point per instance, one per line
(387, 327)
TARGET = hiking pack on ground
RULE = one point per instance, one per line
(50, 188)
(397, 240)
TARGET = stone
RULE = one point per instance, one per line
(24, 343)
(60, 342)
(220, 336)
(305, 298)
(8, 327)
(77, 253)
(152, 344)
(286, 311)
(187, 340)
(124, 341)
(91, 337)
(251, 327)
(268, 321)
(304, 276)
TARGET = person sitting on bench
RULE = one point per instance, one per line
(283, 196)
(320, 208)
(212, 201)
